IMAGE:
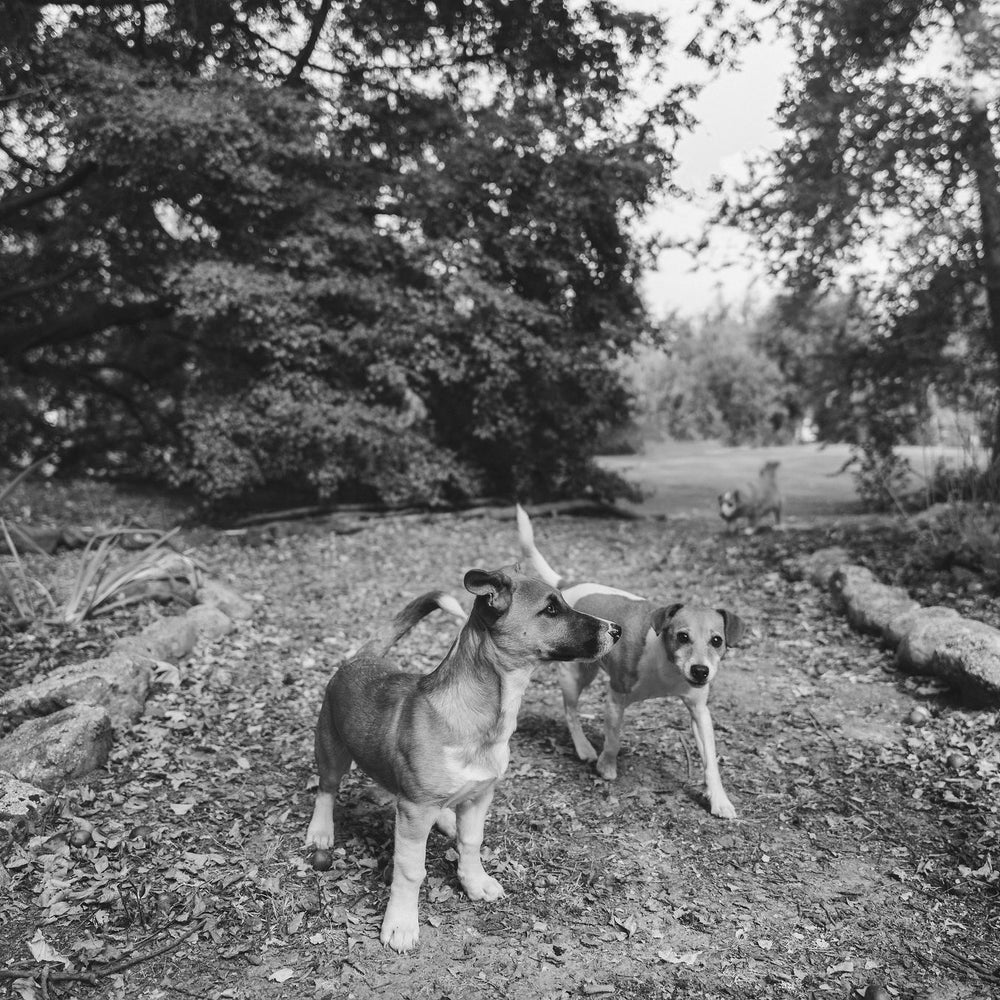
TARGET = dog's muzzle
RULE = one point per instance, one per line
(699, 674)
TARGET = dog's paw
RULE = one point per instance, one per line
(485, 887)
(447, 823)
(607, 767)
(320, 836)
(586, 752)
(723, 808)
(400, 932)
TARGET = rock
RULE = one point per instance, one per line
(224, 598)
(119, 683)
(21, 805)
(964, 652)
(818, 567)
(912, 623)
(210, 623)
(170, 639)
(871, 606)
(55, 749)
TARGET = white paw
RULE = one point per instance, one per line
(320, 835)
(484, 887)
(586, 752)
(722, 807)
(447, 823)
(400, 932)
(607, 767)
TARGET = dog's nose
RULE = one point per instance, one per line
(614, 630)
(699, 673)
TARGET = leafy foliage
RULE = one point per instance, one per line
(392, 262)
(887, 185)
(712, 381)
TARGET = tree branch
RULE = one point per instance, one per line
(17, 202)
(77, 324)
(302, 60)
(15, 291)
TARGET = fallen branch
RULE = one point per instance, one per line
(112, 969)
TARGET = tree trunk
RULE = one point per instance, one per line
(974, 36)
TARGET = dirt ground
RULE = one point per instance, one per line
(864, 853)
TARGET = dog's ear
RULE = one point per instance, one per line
(734, 625)
(661, 616)
(496, 587)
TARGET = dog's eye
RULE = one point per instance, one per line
(716, 641)
(551, 609)
(683, 638)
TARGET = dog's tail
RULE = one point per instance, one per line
(527, 536)
(388, 634)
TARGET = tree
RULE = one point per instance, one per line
(349, 250)
(886, 187)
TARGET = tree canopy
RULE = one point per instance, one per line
(885, 195)
(353, 251)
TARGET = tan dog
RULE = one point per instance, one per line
(672, 651)
(754, 500)
(439, 741)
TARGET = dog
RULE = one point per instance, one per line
(754, 500)
(665, 651)
(440, 741)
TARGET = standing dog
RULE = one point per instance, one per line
(671, 651)
(754, 500)
(440, 741)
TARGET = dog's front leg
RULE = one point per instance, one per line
(471, 816)
(704, 737)
(614, 717)
(573, 678)
(400, 926)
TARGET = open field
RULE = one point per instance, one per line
(684, 478)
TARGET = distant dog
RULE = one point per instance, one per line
(671, 651)
(440, 741)
(754, 500)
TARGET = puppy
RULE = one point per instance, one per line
(440, 741)
(754, 500)
(665, 651)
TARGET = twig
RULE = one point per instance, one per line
(967, 962)
(826, 732)
(108, 970)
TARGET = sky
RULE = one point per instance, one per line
(735, 114)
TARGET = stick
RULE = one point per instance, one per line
(108, 970)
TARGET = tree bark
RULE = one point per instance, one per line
(974, 34)
(14, 203)
(76, 325)
(302, 60)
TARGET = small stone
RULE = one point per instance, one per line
(918, 716)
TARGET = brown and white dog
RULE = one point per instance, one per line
(670, 651)
(440, 741)
(753, 500)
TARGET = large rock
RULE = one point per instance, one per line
(224, 598)
(210, 623)
(912, 626)
(171, 639)
(21, 806)
(963, 652)
(871, 606)
(55, 749)
(118, 683)
(818, 567)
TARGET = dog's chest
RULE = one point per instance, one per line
(472, 771)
